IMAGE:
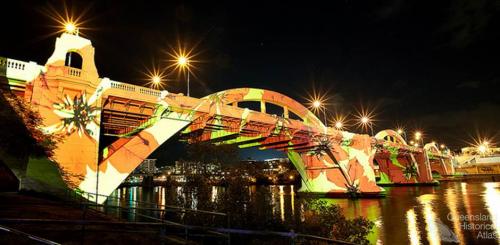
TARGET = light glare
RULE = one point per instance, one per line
(70, 28)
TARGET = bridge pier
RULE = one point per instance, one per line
(344, 169)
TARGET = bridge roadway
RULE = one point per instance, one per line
(84, 108)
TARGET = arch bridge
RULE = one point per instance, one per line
(85, 108)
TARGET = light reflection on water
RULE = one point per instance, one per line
(433, 236)
(408, 215)
(491, 197)
(413, 232)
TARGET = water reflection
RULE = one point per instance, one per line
(430, 219)
(282, 203)
(408, 215)
(491, 197)
(413, 232)
(451, 200)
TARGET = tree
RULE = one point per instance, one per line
(20, 135)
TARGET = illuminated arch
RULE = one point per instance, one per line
(432, 147)
(74, 59)
(390, 135)
(232, 96)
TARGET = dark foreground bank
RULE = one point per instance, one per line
(65, 223)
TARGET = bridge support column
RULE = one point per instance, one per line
(424, 166)
(123, 160)
(349, 173)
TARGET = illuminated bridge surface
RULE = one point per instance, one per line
(85, 108)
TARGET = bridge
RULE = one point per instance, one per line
(110, 127)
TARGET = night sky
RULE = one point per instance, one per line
(428, 65)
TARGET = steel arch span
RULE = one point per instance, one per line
(83, 107)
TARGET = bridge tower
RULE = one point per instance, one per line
(65, 94)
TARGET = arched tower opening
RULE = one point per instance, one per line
(74, 60)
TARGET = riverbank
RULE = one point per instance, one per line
(471, 178)
(65, 222)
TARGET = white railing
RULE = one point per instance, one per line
(13, 64)
(74, 72)
(149, 91)
(134, 88)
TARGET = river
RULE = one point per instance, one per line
(451, 213)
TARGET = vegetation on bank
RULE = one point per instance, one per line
(251, 211)
(24, 148)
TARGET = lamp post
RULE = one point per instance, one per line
(319, 106)
(419, 137)
(183, 63)
(339, 125)
(70, 28)
(366, 122)
(401, 132)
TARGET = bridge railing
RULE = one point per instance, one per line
(73, 72)
(13, 64)
(134, 88)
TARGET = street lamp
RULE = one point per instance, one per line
(318, 105)
(71, 28)
(156, 80)
(339, 125)
(183, 64)
(401, 132)
(419, 137)
(482, 148)
(366, 122)
(418, 134)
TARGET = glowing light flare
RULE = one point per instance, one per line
(365, 119)
(400, 131)
(317, 104)
(66, 21)
(182, 59)
(482, 144)
(339, 122)
(155, 78)
(418, 135)
(442, 146)
(317, 101)
(70, 28)
(339, 125)
(482, 148)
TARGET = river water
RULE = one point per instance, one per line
(452, 213)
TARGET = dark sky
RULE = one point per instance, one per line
(431, 65)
